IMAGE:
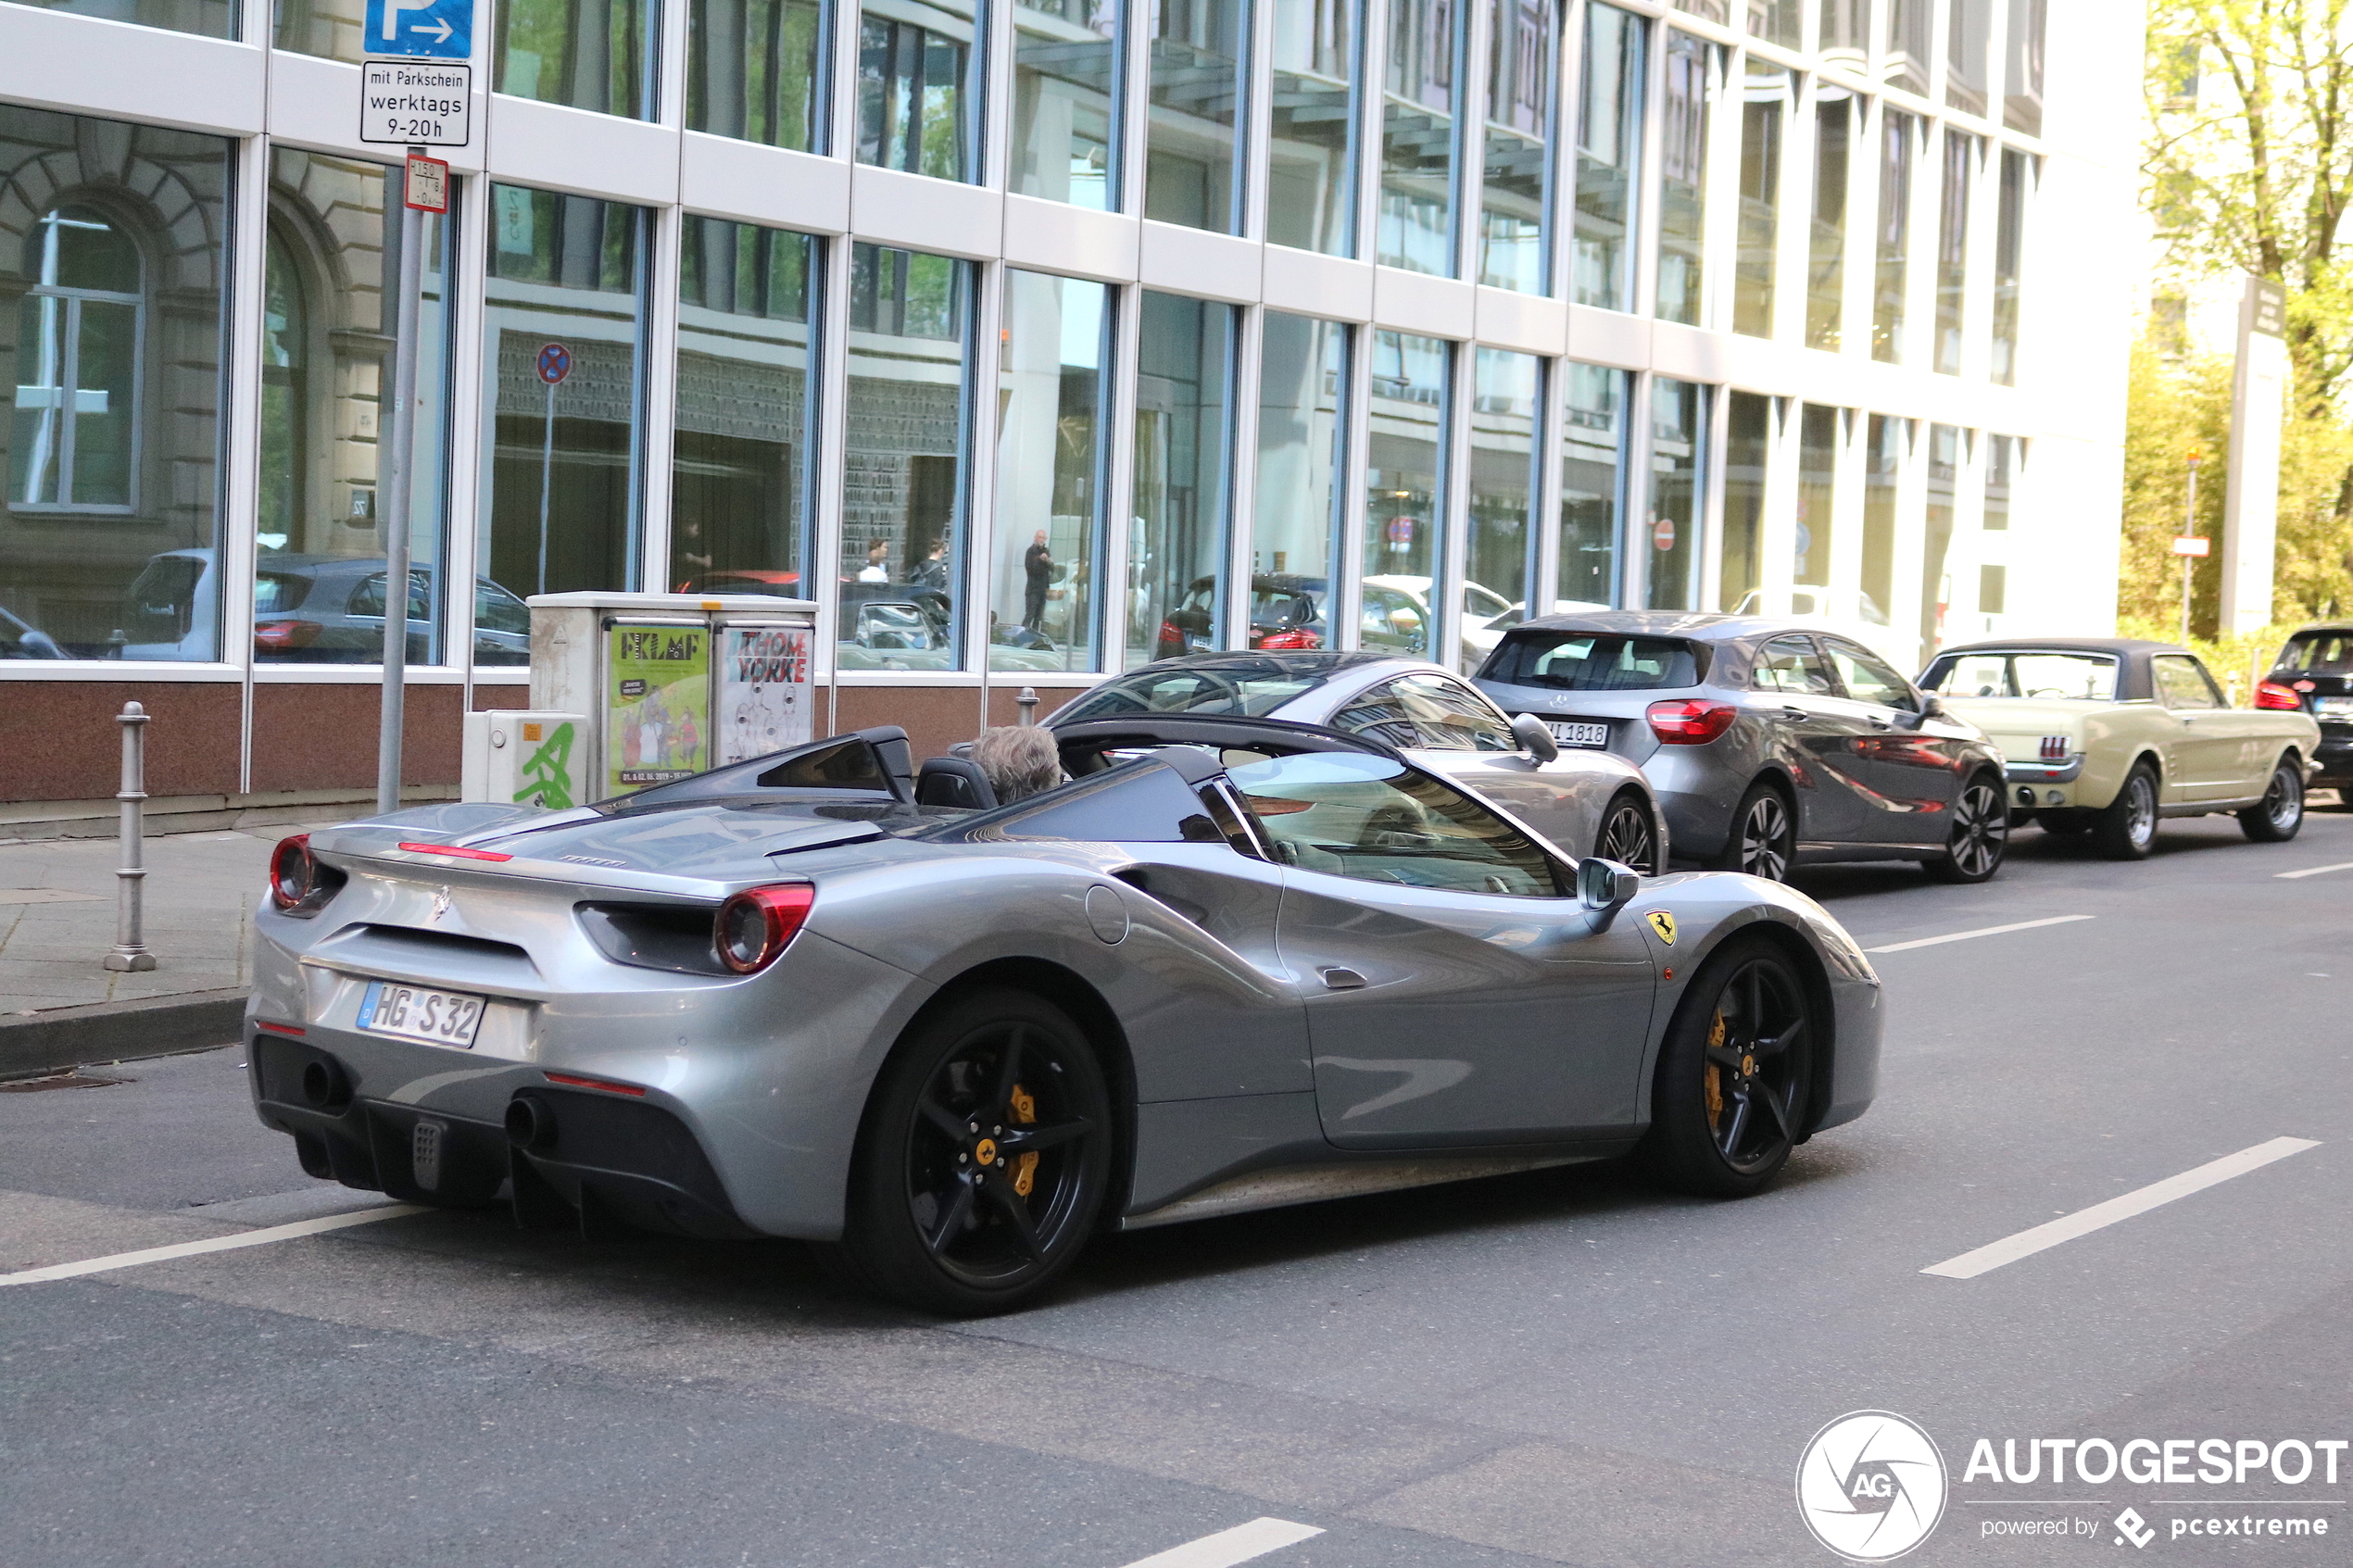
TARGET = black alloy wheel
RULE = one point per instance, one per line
(1981, 834)
(1764, 837)
(984, 1158)
(1629, 837)
(1734, 1074)
(2278, 816)
(2126, 828)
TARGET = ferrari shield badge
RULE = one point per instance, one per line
(1664, 924)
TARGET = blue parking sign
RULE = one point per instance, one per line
(431, 30)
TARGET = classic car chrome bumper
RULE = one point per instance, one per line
(2045, 772)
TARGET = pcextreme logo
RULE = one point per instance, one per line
(1870, 1485)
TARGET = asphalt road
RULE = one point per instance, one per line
(1561, 1367)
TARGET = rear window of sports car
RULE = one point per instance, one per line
(1595, 661)
(1252, 691)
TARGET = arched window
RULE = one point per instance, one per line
(76, 442)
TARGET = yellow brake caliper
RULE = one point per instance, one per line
(1024, 1168)
(1711, 1081)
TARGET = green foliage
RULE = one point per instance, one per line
(2249, 168)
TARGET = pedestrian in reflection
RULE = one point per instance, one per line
(1037, 567)
(877, 566)
(932, 570)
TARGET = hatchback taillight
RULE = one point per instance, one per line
(754, 926)
(1302, 638)
(1690, 721)
(2273, 695)
(281, 636)
(294, 873)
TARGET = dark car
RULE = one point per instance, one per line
(2314, 673)
(330, 609)
(1768, 744)
(1287, 613)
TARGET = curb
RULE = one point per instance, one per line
(61, 1037)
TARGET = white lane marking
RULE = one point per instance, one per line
(1229, 1546)
(1981, 931)
(212, 1244)
(2313, 870)
(2083, 1222)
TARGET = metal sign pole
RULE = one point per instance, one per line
(401, 437)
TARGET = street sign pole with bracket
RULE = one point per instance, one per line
(420, 98)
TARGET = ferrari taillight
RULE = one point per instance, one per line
(754, 927)
(2273, 695)
(1690, 721)
(294, 873)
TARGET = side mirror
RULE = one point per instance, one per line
(1536, 739)
(1606, 886)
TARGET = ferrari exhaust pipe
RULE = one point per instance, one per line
(531, 1123)
(324, 1087)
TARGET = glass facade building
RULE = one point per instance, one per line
(1034, 339)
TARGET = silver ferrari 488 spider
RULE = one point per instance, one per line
(1228, 963)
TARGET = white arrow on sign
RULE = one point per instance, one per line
(440, 30)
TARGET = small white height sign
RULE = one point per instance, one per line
(416, 103)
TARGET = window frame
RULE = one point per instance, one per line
(69, 383)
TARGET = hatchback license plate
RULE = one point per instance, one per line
(2333, 706)
(1580, 734)
(412, 1012)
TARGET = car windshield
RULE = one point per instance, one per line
(2080, 677)
(2318, 653)
(1592, 661)
(1251, 690)
(1372, 819)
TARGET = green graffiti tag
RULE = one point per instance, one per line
(549, 773)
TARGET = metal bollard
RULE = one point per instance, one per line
(1028, 704)
(130, 948)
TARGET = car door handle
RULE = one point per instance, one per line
(1881, 724)
(1341, 979)
(1796, 715)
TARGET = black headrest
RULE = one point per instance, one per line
(953, 781)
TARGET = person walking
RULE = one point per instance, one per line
(1037, 567)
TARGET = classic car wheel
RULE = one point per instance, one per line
(984, 1158)
(1763, 839)
(1627, 837)
(2277, 817)
(1980, 832)
(2127, 828)
(1733, 1077)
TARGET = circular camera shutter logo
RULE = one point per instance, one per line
(1871, 1485)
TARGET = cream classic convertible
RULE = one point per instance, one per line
(2106, 735)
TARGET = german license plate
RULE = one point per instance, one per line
(1578, 735)
(412, 1012)
(2333, 706)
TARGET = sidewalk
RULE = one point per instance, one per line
(57, 918)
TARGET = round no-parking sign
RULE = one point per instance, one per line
(555, 363)
(1663, 534)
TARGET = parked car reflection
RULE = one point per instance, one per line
(19, 640)
(308, 609)
(898, 626)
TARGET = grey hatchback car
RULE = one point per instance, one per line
(1767, 744)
